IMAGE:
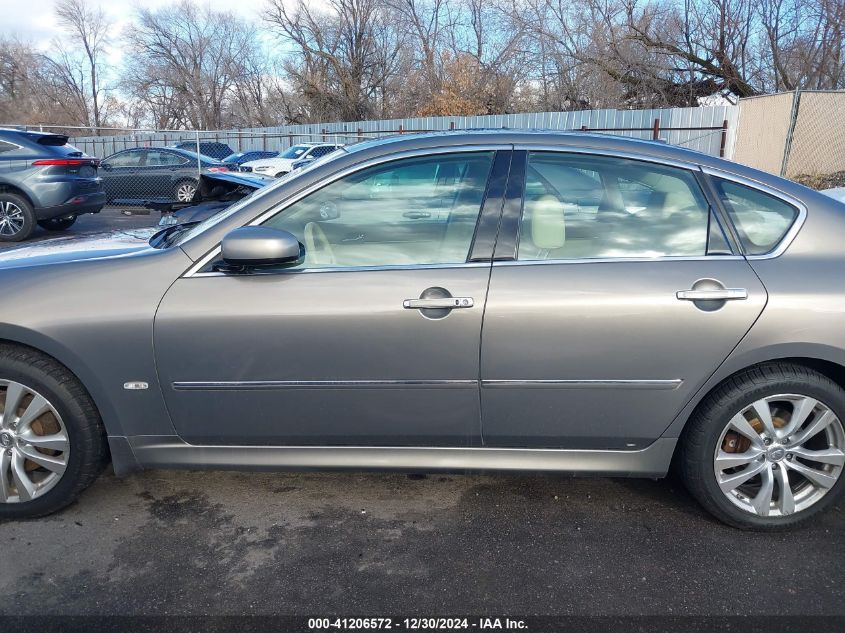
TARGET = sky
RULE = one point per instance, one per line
(33, 20)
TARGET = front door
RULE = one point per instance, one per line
(612, 301)
(373, 340)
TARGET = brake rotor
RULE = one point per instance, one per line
(45, 424)
(737, 443)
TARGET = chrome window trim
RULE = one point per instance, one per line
(600, 152)
(790, 235)
(349, 269)
(619, 260)
(203, 261)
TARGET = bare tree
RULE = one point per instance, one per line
(343, 56)
(185, 62)
(77, 69)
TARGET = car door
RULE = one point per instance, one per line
(162, 170)
(120, 173)
(366, 342)
(613, 296)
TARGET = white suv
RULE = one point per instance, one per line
(283, 163)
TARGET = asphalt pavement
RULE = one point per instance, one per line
(109, 219)
(173, 542)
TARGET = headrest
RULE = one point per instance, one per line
(548, 227)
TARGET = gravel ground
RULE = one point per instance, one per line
(374, 544)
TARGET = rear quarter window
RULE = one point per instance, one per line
(761, 220)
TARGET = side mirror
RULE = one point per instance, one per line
(251, 246)
(106, 166)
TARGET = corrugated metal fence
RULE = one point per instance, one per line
(707, 129)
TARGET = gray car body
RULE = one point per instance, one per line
(326, 370)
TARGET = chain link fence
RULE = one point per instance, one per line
(799, 135)
(143, 166)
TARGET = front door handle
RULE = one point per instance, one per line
(724, 294)
(443, 303)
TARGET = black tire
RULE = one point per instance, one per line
(88, 446)
(57, 224)
(694, 460)
(27, 213)
(182, 183)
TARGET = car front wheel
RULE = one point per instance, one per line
(52, 443)
(766, 449)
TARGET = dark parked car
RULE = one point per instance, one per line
(215, 150)
(234, 161)
(487, 300)
(154, 172)
(44, 181)
(216, 192)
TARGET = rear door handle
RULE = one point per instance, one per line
(724, 294)
(444, 303)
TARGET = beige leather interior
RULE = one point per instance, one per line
(548, 224)
(318, 249)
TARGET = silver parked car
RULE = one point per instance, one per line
(480, 300)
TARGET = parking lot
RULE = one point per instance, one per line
(109, 219)
(376, 544)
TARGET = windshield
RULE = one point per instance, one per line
(233, 158)
(295, 151)
(182, 233)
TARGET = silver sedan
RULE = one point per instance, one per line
(491, 300)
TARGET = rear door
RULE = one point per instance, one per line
(614, 295)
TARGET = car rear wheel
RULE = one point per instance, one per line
(57, 224)
(185, 190)
(766, 449)
(52, 444)
(17, 219)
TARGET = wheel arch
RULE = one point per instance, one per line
(6, 187)
(22, 337)
(828, 361)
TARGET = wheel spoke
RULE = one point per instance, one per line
(786, 501)
(14, 393)
(764, 414)
(831, 456)
(763, 501)
(818, 424)
(54, 442)
(732, 460)
(38, 407)
(26, 489)
(818, 477)
(5, 486)
(739, 424)
(800, 414)
(730, 482)
(54, 464)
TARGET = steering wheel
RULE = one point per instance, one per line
(318, 249)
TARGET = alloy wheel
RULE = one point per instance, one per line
(780, 455)
(185, 192)
(12, 219)
(34, 444)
